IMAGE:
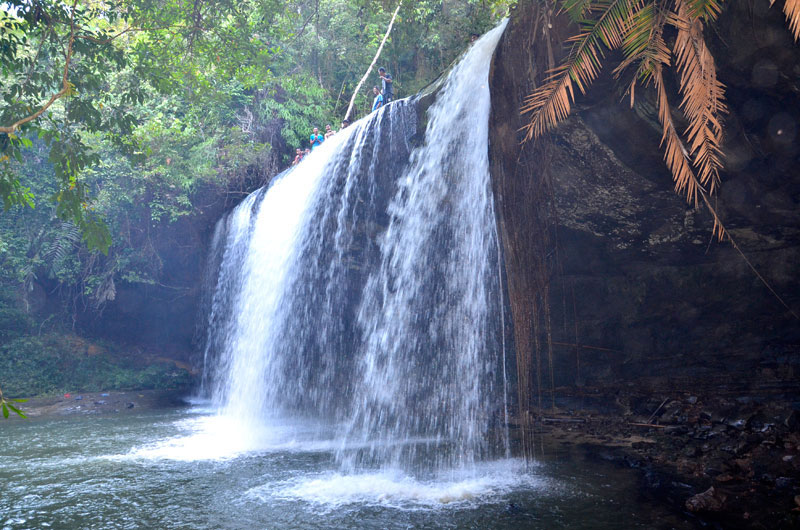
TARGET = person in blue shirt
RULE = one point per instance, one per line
(386, 80)
(316, 138)
(378, 101)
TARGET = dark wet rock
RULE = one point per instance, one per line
(709, 501)
(766, 478)
(691, 451)
(744, 464)
(792, 421)
(130, 405)
(758, 423)
(101, 402)
(676, 430)
(719, 429)
(738, 423)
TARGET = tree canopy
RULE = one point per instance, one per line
(120, 119)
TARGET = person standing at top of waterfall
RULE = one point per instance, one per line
(329, 131)
(298, 156)
(378, 101)
(386, 79)
(316, 138)
(345, 123)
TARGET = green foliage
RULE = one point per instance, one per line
(300, 103)
(165, 103)
(56, 60)
(56, 363)
(7, 406)
(13, 323)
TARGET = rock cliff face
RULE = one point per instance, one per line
(609, 272)
(626, 311)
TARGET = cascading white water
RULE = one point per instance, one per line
(430, 312)
(361, 290)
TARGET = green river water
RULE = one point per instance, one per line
(189, 468)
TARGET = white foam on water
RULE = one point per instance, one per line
(225, 437)
(329, 491)
(205, 438)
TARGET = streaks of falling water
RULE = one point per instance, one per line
(361, 287)
(430, 311)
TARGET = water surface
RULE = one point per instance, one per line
(190, 468)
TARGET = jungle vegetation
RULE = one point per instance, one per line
(121, 119)
(117, 117)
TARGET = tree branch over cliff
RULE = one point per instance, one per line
(372, 64)
(66, 86)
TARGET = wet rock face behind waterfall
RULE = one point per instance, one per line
(635, 279)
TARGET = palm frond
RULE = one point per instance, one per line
(703, 96)
(644, 44)
(66, 236)
(677, 157)
(792, 11)
(675, 154)
(551, 103)
(576, 10)
(703, 9)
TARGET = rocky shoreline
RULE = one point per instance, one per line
(112, 402)
(722, 462)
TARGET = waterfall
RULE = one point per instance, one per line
(360, 289)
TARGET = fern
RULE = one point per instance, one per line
(65, 237)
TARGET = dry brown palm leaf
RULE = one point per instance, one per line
(551, 103)
(792, 11)
(703, 96)
(677, 157)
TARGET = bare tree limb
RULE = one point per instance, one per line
(372, 64)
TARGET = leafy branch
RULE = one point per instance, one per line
(7, 406)
(66, 87)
